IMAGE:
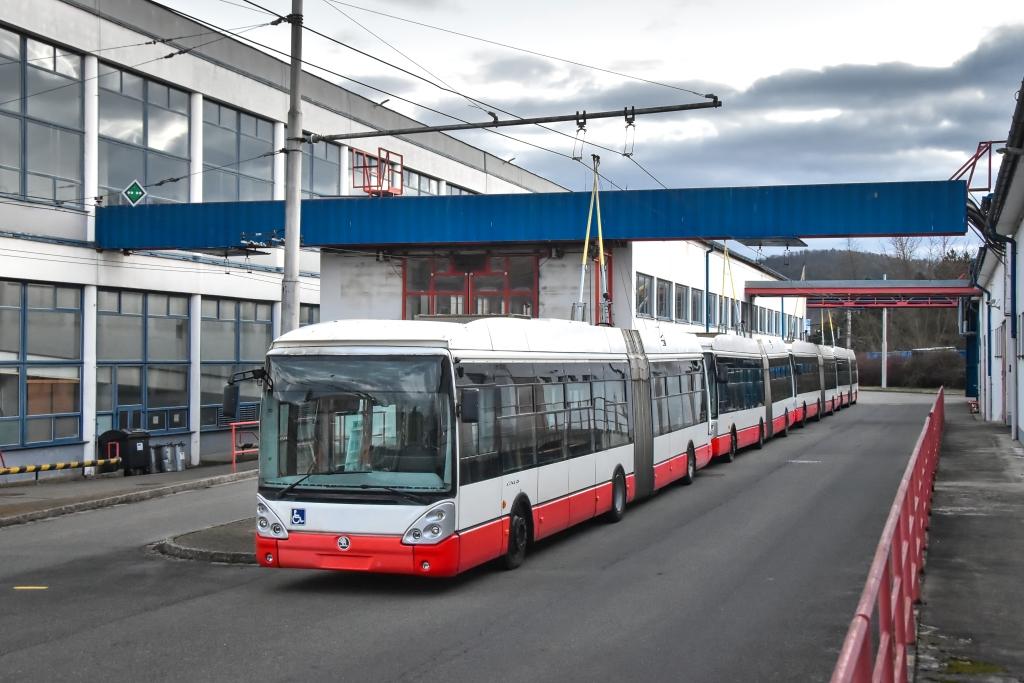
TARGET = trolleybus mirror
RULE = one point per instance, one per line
(231, 394)
(470, 408)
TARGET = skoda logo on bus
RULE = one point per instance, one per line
(344, 543)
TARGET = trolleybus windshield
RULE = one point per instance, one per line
(360, 425)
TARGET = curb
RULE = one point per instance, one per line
(133, 497)
(170, 548)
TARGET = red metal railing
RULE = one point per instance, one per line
(875, 648)
(249, 429)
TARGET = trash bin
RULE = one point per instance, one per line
(154, 459)
(179, 456)
(135, 452)
(166, 458)
(105, 451)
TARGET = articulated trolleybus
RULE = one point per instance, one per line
(428, 448)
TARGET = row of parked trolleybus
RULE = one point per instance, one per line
(428, 448)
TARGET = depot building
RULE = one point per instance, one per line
(95, 339)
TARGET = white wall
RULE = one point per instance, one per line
(355, 286)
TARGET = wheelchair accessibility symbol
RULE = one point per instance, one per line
(298, 516)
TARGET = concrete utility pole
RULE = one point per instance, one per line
(849, 329)
(293, 181)
(885, 344)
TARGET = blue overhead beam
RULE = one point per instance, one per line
(843, 210)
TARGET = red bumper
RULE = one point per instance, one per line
(377, 554)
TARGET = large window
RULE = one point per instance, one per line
(309, 314)
(713, 311)
(40, 121)
(682, 296)
(456, 190)
(321, 170)
(470, 285)
(237, 155)
(235, 336)
(419, 184)
(40, 364)
(677, 395)
(142, 355)
(697, 305)
(144, 136)
(644, 295)
(533, 414)
(664, 299)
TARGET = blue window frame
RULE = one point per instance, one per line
(40, 364)
(41, 119)
(142, 350)
(235, 336)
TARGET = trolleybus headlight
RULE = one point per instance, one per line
(433, 526)
(268, 524)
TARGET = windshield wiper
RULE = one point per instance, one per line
(401, 493)
(289, 487)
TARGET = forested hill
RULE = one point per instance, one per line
(908, 260)
(840, 264)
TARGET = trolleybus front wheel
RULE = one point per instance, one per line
(691, 466)
(760, 435)
(518, 535)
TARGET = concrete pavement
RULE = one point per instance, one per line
(972, 616)
(26, 502)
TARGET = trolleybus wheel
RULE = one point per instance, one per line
(518, 536)
(760, 435)
(691, 466)
(803, 419)
(730, 455)
(785, 429)
(817, 413)
(618, 510)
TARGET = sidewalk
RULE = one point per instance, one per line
(26, 502)
(972, 616)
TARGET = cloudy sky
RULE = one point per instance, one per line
(812, 92)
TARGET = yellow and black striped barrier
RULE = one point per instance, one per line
(74, 464)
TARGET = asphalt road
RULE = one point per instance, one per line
(752, 573)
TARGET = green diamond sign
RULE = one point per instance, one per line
(134, 193)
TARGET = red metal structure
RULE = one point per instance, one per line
(381, 175)
(246, 430)
(875, 648)
(968, 168)
(868, 293)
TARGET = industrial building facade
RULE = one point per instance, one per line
(90, 340)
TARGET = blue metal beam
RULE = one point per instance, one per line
(845, 210)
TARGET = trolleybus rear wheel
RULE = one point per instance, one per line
(785, 428)
(730, 455)
(691, 466)
(817, 413)
(760, 435)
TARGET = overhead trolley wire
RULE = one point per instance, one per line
(522, 49)
(388, 93)
(474, 102)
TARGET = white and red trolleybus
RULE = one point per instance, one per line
(736, 372)
(779, 397)
(421, 447)
(808, 376)
(829, 380)
(846, 368)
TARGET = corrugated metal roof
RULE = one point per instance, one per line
(859, 210)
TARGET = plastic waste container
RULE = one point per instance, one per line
(135, 452)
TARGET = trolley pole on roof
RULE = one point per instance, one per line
(293, 180)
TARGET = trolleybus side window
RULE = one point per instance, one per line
(807, 376)
(743, 387)
(830, 373)
(781, 378)
(538, 413)
(677, 395)
(843, 365)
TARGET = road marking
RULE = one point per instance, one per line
(30, 588)
(805, 462)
